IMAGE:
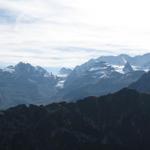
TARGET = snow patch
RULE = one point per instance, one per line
(47, 75)
(118, 68)
(60, 84)
(104, 75)
(62, 75)
(97, 68)
(8, 69)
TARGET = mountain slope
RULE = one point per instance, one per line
(122, 118)
(96, 78)
(128, 68)
(25, 84)
(143, 84)
(65, 71)
(62, 76)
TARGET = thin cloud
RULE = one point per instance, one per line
(69, 32)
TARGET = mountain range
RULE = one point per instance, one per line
(98, 112)
(27, 84)
(141, 61)
(96, 78)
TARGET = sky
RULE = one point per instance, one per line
(56, 33)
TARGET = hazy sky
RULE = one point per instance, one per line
(68, 32)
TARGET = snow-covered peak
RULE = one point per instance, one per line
(93, 68)
(92, 65)
(123, 69)
(23, 68)
(26, 69)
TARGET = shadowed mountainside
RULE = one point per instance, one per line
(143, 84)
(122, 118)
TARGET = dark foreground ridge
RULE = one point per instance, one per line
(122, 118)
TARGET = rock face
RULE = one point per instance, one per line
(122, 118)
(128, 68)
